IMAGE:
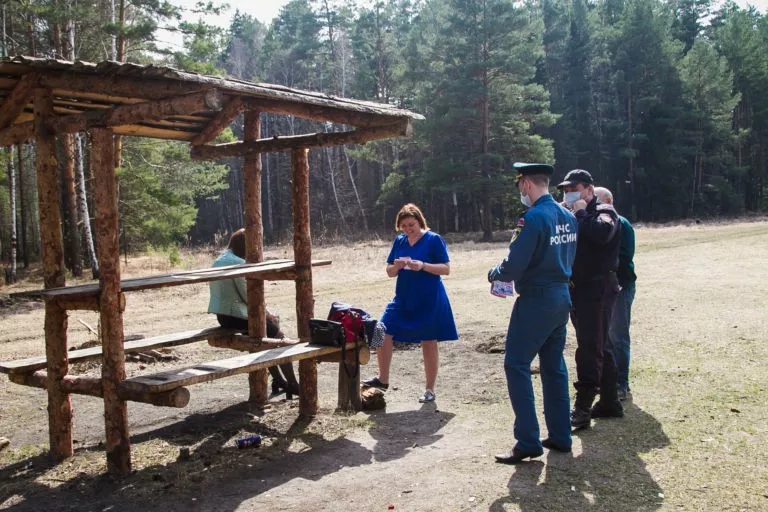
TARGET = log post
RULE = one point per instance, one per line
(111, 317)
(52, 249)
(302, 252)
(254, 251)
(349, 387)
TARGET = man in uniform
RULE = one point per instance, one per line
(593, 293)
(622, 310)
(539, 262)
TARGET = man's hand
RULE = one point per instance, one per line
(579, 205)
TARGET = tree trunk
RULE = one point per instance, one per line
(268, 187)
(327, 152)
(23, 207)
(487, 219)
(82, 205)
(58, 53)
(11, 277)
(455, 212)
(120, 58)
(4, 42)
(69, 30)
(113, 37)
(70, 205)
(31, 35)
(354, 188)
(630, 145)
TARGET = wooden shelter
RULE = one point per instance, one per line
(40, 99)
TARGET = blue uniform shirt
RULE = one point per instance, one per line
(542, 249)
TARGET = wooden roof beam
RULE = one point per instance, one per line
(139, 112)
(119, 86)
(359, 136)
(18, 99)
(221, 121)
(321, 113)
(124, 118)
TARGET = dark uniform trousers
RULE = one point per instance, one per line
(593, 302)
(544, 337)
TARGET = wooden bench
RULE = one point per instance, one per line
(167, 388)
(349, 375)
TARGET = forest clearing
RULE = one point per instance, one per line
(692, 439)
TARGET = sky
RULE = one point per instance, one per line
(266, 10)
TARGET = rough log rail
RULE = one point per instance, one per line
(273, 270)
(93, 386)
(289, 143)
(168, 340)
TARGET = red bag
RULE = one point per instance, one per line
(351, 322)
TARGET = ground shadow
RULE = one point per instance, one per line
(219, 475)
(608, 474)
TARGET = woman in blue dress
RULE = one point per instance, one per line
(420, 311)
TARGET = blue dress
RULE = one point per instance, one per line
(420, 310)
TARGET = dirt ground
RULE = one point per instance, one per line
(694, 436)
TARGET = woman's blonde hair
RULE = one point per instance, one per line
(410, 210)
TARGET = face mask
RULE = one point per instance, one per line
(526, 200)
(571, 197)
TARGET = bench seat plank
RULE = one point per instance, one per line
(167, 340)
(246, 363)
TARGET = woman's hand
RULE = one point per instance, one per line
(416, 265)
(400, 264)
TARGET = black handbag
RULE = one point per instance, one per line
(326, 332)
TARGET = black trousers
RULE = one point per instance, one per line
(241, 324)
(596, 372)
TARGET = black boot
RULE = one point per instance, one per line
(291, 384)
(278, 383)
(581, 415)
(608, 409)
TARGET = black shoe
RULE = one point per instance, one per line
(611, 409)
(375, 383)
(516, 456)
(580, 418)
(551, 445)
(277, 387)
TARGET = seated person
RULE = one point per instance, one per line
(229, 302)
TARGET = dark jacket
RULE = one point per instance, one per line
(626, 270)
(597, 250)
